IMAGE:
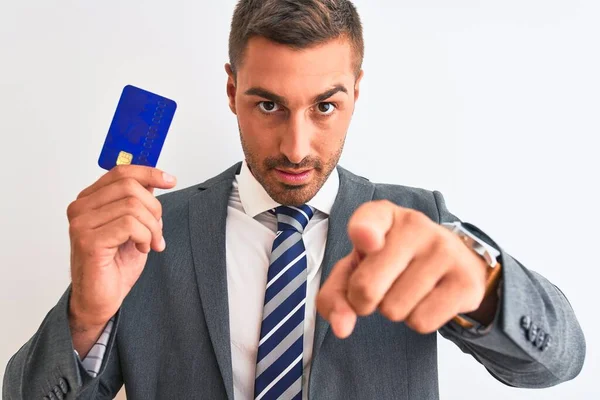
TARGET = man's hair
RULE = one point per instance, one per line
(297, 23)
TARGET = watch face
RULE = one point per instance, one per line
(453, 226)
(487, 252)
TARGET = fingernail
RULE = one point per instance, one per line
(163, 244)
(168, 178)
(160, 221)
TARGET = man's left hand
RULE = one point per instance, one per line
(406, 266)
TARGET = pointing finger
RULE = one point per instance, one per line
(331, 300)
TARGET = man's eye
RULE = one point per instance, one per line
(326, 108)
(268, 107)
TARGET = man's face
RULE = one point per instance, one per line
(293, 109)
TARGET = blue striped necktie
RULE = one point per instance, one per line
(279, 360)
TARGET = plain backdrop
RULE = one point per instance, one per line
(494, 103)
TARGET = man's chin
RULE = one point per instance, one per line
(292, 195)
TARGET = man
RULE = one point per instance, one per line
(225, 306)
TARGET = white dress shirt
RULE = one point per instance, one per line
(250, 233)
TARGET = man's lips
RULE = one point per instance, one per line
(293, 176)
(293, 171)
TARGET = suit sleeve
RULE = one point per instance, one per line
(47, 363)
(535, 339)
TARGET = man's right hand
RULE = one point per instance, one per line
(113, 225)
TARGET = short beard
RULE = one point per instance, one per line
(287, 194)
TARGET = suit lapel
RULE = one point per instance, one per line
(353, 192)
(208, 213)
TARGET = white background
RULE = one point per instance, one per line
(494, 103)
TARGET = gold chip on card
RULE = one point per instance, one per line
(124, 158)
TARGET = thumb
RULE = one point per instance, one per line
(369, 226)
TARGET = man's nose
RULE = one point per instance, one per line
(295, 143)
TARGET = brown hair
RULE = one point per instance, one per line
(297, 23)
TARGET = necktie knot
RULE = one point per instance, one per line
(294, 218)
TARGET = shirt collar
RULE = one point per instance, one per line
(256, 200)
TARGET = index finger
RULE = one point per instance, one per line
(332, 303)
(148, 177)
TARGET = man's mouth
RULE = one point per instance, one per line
(293, 176)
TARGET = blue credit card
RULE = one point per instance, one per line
(138, 129)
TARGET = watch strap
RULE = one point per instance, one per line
(492, 279)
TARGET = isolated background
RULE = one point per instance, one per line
(506, 91)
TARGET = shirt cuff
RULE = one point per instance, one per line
(93, 360)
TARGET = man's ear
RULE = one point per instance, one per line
(357, 84)
(230, 87)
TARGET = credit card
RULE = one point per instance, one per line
(138, 129)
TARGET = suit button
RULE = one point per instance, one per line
(525, 322)
(58, 393)
(539, 340)
(547, 342)
(63, 385)
(532, 332)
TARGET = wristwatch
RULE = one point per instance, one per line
(485, 251)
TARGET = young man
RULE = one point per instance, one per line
(229, 308)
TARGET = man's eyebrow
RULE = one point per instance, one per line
(325, 95)
(260, 92)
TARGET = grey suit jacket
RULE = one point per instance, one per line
(170, 339)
